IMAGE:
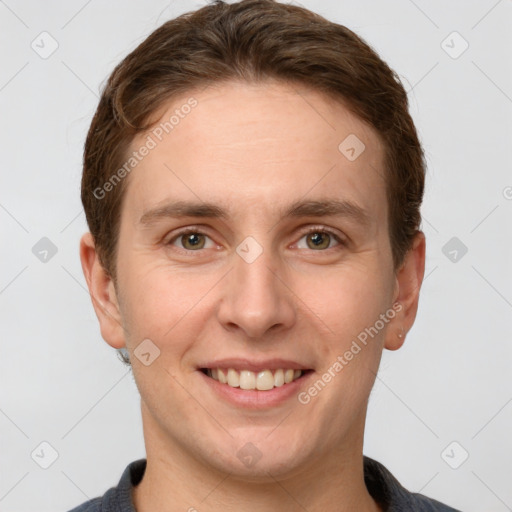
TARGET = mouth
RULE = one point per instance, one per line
(263, 380)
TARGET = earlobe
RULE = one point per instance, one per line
(408, 283)
(103, 293)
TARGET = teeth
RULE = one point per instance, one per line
(279, 378)
(222, 377)
(264, 380)
(233, 378)
(246, 379)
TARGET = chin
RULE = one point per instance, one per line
(248, 459)
(264, 471)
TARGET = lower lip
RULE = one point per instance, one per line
(255, 399)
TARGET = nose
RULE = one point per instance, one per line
(256, 297)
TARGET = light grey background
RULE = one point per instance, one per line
(60, 383)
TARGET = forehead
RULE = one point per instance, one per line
(240, 144)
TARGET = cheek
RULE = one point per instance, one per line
(349, 299)
(163, 304)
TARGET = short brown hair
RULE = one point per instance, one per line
(251, 40)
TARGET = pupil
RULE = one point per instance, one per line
(192, 239)
(318, 239)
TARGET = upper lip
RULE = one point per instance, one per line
(253, 365)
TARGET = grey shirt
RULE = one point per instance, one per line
(381, 484)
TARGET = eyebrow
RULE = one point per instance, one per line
(311, 208)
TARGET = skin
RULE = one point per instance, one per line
(254, 149)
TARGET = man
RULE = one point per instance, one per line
(252, 182)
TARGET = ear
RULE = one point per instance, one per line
(407, 290)
(102, 292)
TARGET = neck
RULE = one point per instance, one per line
(176, 481)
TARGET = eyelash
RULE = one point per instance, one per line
(313, 229)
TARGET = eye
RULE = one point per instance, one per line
(317, 239)
(320, 239)
(191, 240)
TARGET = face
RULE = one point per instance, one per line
(278, 259)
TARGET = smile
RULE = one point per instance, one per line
(263, 380)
